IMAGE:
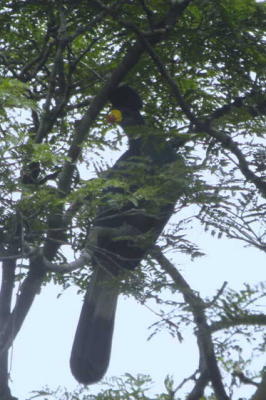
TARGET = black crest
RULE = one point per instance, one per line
(125, 97)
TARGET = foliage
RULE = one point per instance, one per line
(200, 69)
(127, 387)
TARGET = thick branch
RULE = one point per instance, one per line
(83, 260)
(49, 116)
(30, 69)
(252, 319)
(197, 307)
(29, 288)
(198, 390)
(165, 74)
(63, 268)
(259, 107)
(244, 379)
(7, 285)
(260, 393)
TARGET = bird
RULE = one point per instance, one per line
(126, 226)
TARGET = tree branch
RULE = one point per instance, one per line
(260, 393)
(83, 260)
(244, 379)
(228, 143)
(49, 116)
(251, 319)
(201, 382)
(29, 288)
(165, 74)
(239, 102)
(197, 307)
(7, 285)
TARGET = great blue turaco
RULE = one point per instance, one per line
(126, 226)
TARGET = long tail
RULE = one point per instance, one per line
(93, 339)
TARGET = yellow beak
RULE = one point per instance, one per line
(115, 116)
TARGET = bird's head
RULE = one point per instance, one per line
(126, 110)
(125, 117)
